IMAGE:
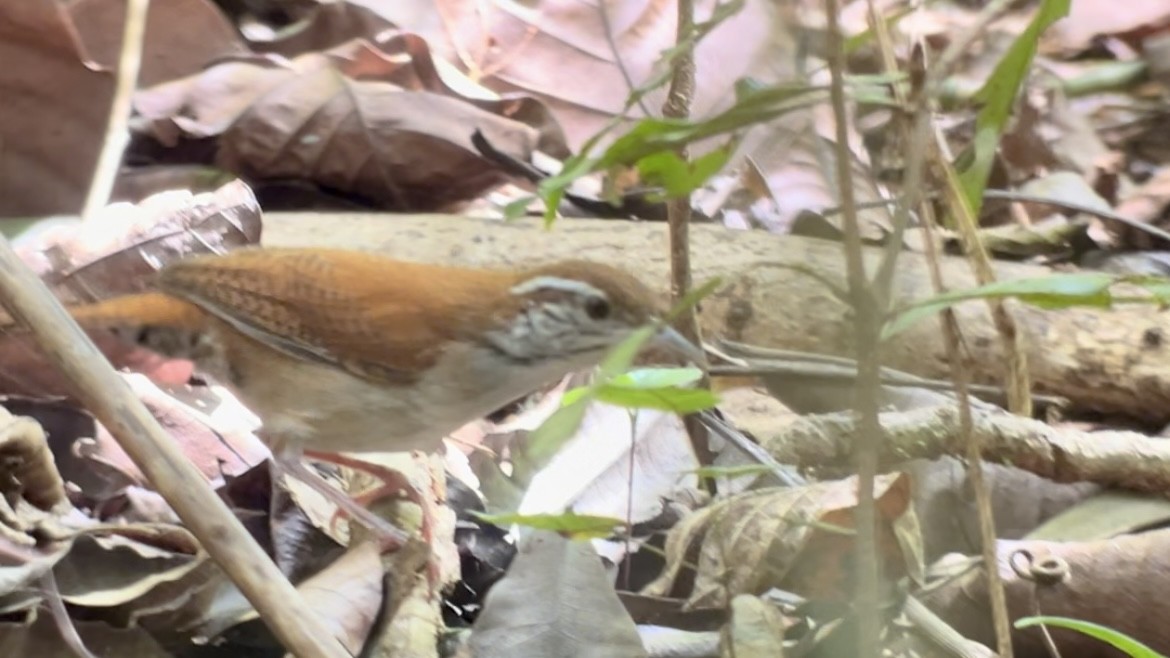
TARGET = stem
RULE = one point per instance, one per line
(867, 324)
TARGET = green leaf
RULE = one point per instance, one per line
(573, 526)
(1051, 292)
(658, 388)
(517, 208)
(652, 136)
(679, 177)
(546, 440)
(1157, 286)
(693, 297)
(649, 388)
(658, 377)
(669, 398)
(574, 394)
(621, 357)
(552, 189)
(998, 97)
(1116, 639)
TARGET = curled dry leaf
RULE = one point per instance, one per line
(798, 539)
(27, 469)
(32, 498)
(366, 120)
(116, 569)
(116, 251)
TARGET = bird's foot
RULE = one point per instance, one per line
(394, 483)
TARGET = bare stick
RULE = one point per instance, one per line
(867, 325)
(117, 133)
(678, 106)
(678, 211)
(156, 454)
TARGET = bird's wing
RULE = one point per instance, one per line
(376, 317)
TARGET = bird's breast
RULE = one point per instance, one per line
(327, 408)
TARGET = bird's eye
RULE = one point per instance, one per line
(597, 308)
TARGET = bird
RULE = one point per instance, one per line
(344, 351)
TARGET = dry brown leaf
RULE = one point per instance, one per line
(1118, 583)
(181, 36)
(118, 250)
(560, 52)
(365, 120)
(774, 538)
(113, 570)
(27, 468)
(53, 116)
(798, 169)
(217, 448)
(1088, 19)
(39, 635)
(348, 593)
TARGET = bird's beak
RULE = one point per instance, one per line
(670, 339)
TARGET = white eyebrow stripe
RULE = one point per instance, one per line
(555, 283)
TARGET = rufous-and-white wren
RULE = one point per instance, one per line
(344, 351)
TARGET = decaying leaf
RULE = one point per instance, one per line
(27, 469)
(798, 539)
(755, 630)
(112, 570)
(117, 250)
(371, 121)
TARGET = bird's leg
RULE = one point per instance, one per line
(387, 533)
(393, 483)
(289, 458)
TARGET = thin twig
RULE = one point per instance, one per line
(61, 619)
(678, 211)
(678, 106)
(1019, 401)
(117, 127)
(867, 324)
(607, 28)
(952, 340)
(1011, 195)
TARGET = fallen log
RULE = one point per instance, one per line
(1112, 361)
